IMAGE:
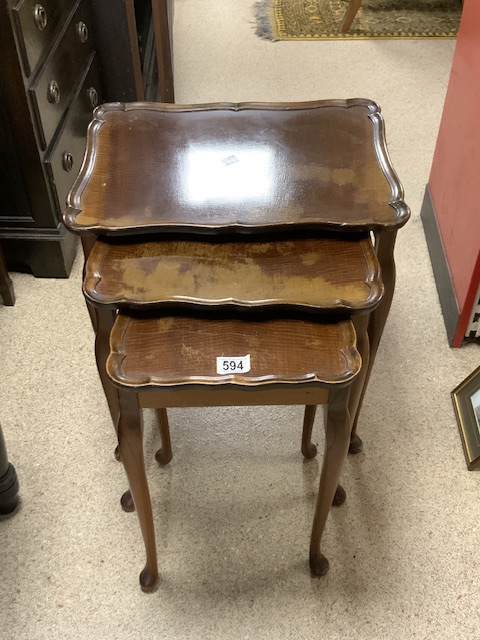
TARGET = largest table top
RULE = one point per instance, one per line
(222, 168)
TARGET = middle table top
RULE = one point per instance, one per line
(224, 168)
(321, 275)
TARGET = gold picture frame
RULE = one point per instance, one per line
(466, 402)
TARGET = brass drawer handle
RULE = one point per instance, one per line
(67, 161)
(92, 96)
(40, 17)
(53, 92)
(82, 31)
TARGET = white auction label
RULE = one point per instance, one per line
(226, 364)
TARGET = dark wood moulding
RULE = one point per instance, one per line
(248, 167)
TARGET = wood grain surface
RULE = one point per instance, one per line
(235, 167)
(175, 351)
(326, 275)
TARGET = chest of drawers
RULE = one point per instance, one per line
(49, 85)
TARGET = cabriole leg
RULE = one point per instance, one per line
(130, 442)
(358, 386)
(104, 319)
(164, 454)
(337, 438)
(309, 450)
(385, 245)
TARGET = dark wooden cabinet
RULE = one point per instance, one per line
(60, 59)
(48, 88)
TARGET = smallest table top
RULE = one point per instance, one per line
(223, 168)
(322, 275)
(167, 352)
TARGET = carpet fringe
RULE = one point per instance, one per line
(263, 15)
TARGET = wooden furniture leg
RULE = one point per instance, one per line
(163, 456)
(130, 442)
(126, 501)
(385, 244)
(309, 450)
(87, 245)
(359, 384)
(6, 284)
(350, 14)
(337, 438)
(104, 319)
(102, 322)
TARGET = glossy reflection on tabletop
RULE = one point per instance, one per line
(245, 167)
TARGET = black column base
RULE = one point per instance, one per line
(8, 481)
(9, 487)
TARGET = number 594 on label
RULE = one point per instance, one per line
(227, 364)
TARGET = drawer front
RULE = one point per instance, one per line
(37, 24)
(52, 92)
(65, 158)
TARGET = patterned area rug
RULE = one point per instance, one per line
(321, 19)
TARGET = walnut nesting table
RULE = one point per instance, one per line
(171, 361)
(256, 209)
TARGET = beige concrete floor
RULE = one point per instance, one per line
(233, 510)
